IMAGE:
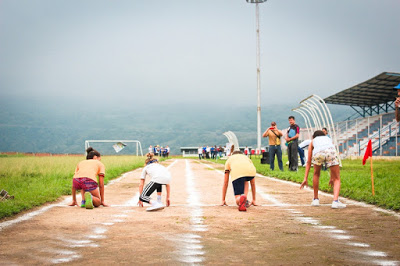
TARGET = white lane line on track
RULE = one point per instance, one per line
(334, 232)
(42, 210)
(190, 249)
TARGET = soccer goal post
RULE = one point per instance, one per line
(118, 143)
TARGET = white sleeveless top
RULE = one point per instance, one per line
(322, 143)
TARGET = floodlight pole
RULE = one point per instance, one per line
(258, 73)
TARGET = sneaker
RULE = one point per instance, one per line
(338, 205)
(242, 203)
(155, 206)
(82, 204)
(88, 200)
(315, 203)
(248, 204)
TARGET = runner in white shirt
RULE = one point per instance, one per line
(159, 176)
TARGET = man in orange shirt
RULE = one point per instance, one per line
(274, 135)
(85, 179)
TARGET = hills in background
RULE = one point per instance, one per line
(63, 128)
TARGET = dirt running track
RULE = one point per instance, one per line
(283, 230)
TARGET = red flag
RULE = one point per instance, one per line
(368, 152)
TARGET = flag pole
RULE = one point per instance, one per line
(372, 178)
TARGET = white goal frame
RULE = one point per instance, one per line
(138, 144)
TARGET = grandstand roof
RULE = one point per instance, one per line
(373, 92)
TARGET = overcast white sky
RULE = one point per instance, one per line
(192, 51)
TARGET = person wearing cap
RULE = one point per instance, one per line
(397, 103)
(274, 135)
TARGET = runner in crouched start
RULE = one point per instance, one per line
(320, 152)
(85, 179)
(242, 171)
(159, 176)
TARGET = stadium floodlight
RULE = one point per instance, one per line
(258, 72)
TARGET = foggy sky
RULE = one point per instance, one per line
(138, 52)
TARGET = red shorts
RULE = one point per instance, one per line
(84, 183)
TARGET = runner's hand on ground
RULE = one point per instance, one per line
(73, 203)
(104, 204)
(254, 203)
(140, 203)
(224, 203)
(168, 202)
(303, 184)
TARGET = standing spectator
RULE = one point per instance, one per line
(292, 142)
(220, 151)
(200, 152)
(303, 145)
(227, 151)
(397, 103)
(212, 152)
(208, 152)
(151, 149)
(246, 151)
(274, 139)
(168, 150)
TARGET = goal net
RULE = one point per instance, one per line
(113, 147)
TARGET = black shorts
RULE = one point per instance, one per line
(238, 184)
(148, 190)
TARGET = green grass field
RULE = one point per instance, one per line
(355, 180)
(37, 180)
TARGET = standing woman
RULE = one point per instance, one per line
(320, 152)
(159, 176)
(85, 179)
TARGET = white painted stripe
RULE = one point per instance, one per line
(25, 217)
(189, 245)
(373, 253)
(346, 200)
(356, 244)
(386, 262)
(66, 259)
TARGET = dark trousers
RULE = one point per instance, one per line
(301, 153)
(292, 155)
(278, 151)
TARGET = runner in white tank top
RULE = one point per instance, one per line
(321, 151)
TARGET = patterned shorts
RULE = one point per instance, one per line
(327, 156)
(84, 183)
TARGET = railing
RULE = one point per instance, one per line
(348, 131)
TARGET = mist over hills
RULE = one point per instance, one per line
(63, 128)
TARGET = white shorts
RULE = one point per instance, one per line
(328, 156)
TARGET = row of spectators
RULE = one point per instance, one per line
(212, 152)
(160, 151)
